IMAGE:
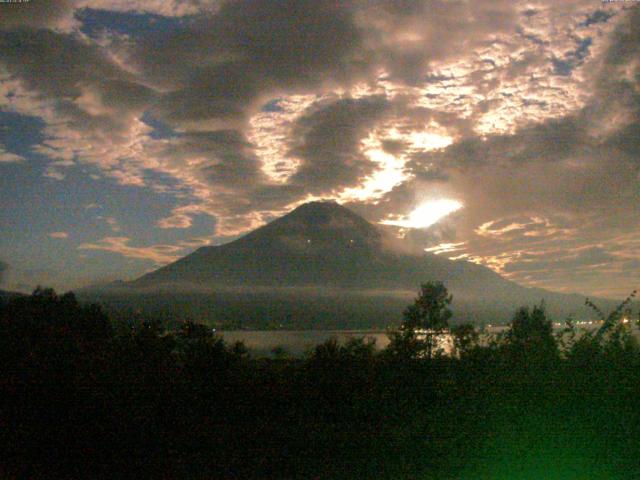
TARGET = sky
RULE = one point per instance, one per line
(505, 133)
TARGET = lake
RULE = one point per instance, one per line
(298, 342)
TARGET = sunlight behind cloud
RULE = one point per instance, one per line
(429, 141)
(426, 214)
(390, 173)
(390, 167)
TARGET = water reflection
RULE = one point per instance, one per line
(299, 342)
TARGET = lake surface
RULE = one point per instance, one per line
(298, 342)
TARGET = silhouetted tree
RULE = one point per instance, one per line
(148, 401)
(239, 350)
(328, 351)
(199, 349)
(279, 353)
(613, 342)
(403, 344)
(465, 337)
(424, 321)
(531, 334)
(614, 318)
(359, 348)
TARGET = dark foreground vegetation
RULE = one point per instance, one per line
(85, 397)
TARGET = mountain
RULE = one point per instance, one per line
(321, 253)
(319, 244)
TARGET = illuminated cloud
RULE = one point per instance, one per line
(171, 8)
(181, 217)
(59, 235)
(445, 248)
(159, 254)
(8, 157)
(426, 214)
(113, 224)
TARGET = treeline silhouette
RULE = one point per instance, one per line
(85, 397)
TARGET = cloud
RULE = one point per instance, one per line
(175, 8)
(206, 77)
(181, 217)
(327, 143)
(533, 228)
(89, 102)
(67, 67)
(8, 157)
(527, 114)
(552, 203)
(219, 68)
(406, 36)
(59, 235)
(561, 260)
(159, 254)
(51, 14)
(175, 221)
(113, 224)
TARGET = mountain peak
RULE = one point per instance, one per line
(319, 204)
(322, 210)
(316, 226)
(326, 222)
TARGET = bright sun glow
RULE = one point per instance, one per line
(426, 214)
(429, 140)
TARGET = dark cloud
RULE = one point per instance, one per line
(52, 63)
(394, 147)
(220, 66)
(327, 141)
(573, 59)
(624, 40)
(35, 14)
(231, 162)
(551, 141)
(78, 78)
(218, 95)
(223, 160)
(615, 109)
(599, 16)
